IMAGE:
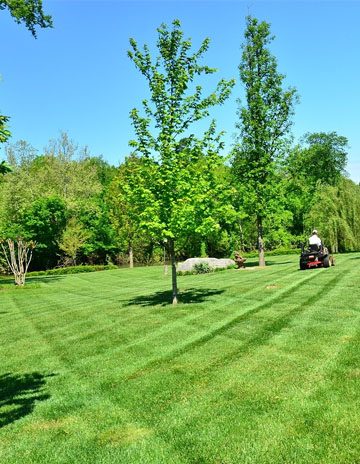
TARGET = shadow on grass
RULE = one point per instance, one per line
(30, 280)
(189, 296)
(18, 394)
(268, 263)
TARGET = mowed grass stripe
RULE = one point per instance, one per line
(275, 404)
(215, 402)
(58, 329)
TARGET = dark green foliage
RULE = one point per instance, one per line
(4, 131)
(264, 124)
(5, 167)
(202, 268)
(72, 270)
(43, 223)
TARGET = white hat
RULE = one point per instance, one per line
(315, 231)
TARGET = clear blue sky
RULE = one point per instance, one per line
(78, 78)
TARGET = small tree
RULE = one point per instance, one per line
(18, 256)
(264, 124)
(73, 239)
(179, 197)
(125, 208)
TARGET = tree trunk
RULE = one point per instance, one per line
(131, 257)
(173, 272)
(260, 242)
(241, 236)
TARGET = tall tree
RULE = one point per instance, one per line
(264, 123)
(178, 196)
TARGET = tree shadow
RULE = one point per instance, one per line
(18, 394)
(164, 298)
(36, 279)
(267, 262)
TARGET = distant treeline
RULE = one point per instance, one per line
(80, 210)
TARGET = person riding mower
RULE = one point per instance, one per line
(316, 255)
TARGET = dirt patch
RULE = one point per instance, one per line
(56, 424)
(123, 435)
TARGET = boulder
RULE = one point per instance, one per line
(212, 262)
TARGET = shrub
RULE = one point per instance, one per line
(202, 268)
(73, 270)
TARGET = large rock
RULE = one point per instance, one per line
(212, 262)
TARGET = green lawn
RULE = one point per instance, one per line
(254, 366)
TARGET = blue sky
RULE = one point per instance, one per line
(78, 78)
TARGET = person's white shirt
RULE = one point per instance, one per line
(314, 240)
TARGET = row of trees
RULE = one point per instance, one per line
(78, 208)
(176, 192)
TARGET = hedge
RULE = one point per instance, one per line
(72, 270)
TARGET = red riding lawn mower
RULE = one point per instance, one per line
(315, 256)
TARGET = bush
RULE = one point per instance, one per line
(72, 270)
(276, 252)
(202, 268)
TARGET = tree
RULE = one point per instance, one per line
(178, 197)
(44, 223)
(73, 238)
(264, 124)
(19, 257)
(319, 160)
(125, 209)
(324, 157)
(336, 214)
(29, 12)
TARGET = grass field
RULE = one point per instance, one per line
(254, 366)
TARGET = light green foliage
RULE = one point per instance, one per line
(60, 172)
(180, 195)
(29, 12)
(335, 213)
(73, 238)
(125, 204)
(68, 173)
(264, 123)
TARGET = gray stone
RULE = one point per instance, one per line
(212, 262)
